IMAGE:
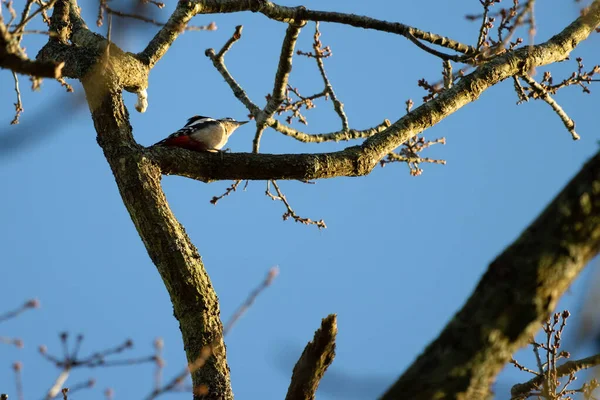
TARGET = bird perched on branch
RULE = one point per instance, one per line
(203, 134)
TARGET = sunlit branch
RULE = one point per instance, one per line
(284, 68)
(539, 89)
(219, 63)
(337, 136)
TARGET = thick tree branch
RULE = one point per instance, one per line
(195, 303)
(314, 361)
(209, 167)
(104, 72)
(518, 291)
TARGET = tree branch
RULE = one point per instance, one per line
(282, 76)
(314, 361)
(11, 58)
(284, 68)
(195, 303)
(208, 167)
(290, 14)
(565, 369)
(518, 291)
(544, 95)
(218, 61)
(163, 39)
(337, 136)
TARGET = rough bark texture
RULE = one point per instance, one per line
(314, 361)
(195, 303)
(105, 72)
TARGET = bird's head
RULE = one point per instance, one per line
(231, 124)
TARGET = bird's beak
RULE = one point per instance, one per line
(242, 122)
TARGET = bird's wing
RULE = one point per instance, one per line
(201, 135)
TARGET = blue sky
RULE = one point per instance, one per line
(400, 254)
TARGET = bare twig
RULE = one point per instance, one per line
(271, 275)
(526, 9)
(160, 363)
(71, 360)
(237, 35)
(409, 154)
(286, 14)
(314, 361)
(210, 27)
(33, 303)
(547, 379)
(58, 384)
(319, 52)
(14, 341)
(520, 91)
(447, 74)
(43, 7)
(231, 188)
(437, 53)
(486, 22)
(567, 121)
(219, 63)
(18, 368)
(158, 4)
(260, 129)
(24, 15)
(295, 107)
(337, 136)
(580, 78)
(290, 212)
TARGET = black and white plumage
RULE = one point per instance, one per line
(203, 134)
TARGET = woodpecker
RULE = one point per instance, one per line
(203, 134)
